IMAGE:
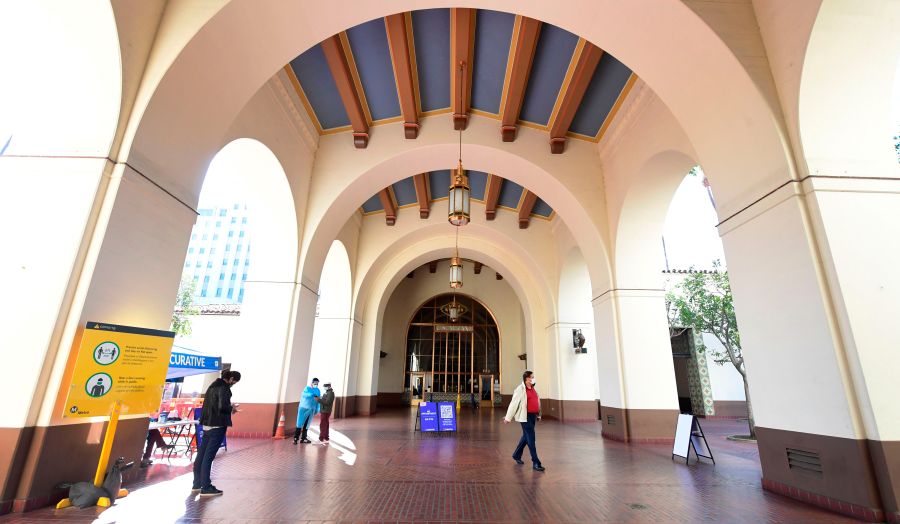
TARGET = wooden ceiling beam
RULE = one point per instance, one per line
(422, 195)
(492, 196)
(340, 70)
(398, 42)
(477, 267)
(525, 209)
(390, 209)
(587, 56)
(432, 266)
(521, 57)
(462, 43)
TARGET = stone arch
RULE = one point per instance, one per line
(243, 43)
(411, 251)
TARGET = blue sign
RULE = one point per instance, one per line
(447, 416)
(186, 360)
(428, 416)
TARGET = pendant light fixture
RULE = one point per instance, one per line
(458, 210)
(456, 268)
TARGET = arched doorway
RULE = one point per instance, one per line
(446, 359)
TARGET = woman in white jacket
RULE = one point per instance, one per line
(525, 408)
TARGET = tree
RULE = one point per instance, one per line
(704, 302)
(184, 307)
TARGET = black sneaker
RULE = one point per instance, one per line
(306, 441)
(295, 441)
(194, 491)
(537, 467)
(211, 491)
(519, 461)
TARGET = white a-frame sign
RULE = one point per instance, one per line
(689, 435)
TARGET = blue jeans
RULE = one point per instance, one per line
(209, 446)
(528, 439)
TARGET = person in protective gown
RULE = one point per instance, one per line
(309, 406)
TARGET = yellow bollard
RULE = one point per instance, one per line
(107, 445)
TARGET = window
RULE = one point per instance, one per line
(187, 263)
(206, 212)
(205, 236)
(227, 248)
(231, 234)
(234, 220)
(224, 261)
(244, 276)
(209, 265)
(236, 261)
(218, 223)
(212, 251)
(247, 262)
(244, 220)
(203, 293)
(206, 280)
(190, 251)
(233, 277)
(241, 235)
(202, 250)
(218, 292)
(198, 264)
(196, 278)
(216, 236)
(231, 292)
(239, 248)
(221, 276)
(194, 236)
(221, 213)
(236, 206)
(241, 295)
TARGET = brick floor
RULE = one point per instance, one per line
(378, 470)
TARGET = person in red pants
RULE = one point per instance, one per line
(327, 402)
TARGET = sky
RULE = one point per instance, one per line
(691, 237)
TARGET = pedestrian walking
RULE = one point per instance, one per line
(326, 404)
(525, 408)
(309, 406)
(215, 417)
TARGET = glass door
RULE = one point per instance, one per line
(485, 387)
(416, 388)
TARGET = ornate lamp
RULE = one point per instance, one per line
(456, 268)
(454, 310)
(458, 203)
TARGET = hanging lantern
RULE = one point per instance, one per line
(456, 271)
(454, 310)
(458, 213)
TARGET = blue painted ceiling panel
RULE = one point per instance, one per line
(477, 183)
(373, 204)
(439, 184)
(405, 191)
(606, 84)
(541, 208)
(510, 193)
(551, 60)
(321, 91)
(373, 61)
(431, 34)
(493, 36)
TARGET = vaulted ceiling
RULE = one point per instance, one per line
(406, 67)
(423, 189)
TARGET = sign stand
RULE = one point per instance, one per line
(689, 435)
(105, 451)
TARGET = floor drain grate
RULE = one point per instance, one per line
(637, 506)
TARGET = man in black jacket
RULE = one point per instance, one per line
(215, 419)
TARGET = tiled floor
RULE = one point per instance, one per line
(378, 470)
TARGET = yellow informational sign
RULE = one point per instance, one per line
(118, 363)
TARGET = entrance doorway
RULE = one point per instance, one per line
(455, 359)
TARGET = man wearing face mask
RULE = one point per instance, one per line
(525, 408)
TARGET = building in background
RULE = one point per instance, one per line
(218, 255)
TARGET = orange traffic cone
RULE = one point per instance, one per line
(279, 431)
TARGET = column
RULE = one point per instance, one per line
(817, 292)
